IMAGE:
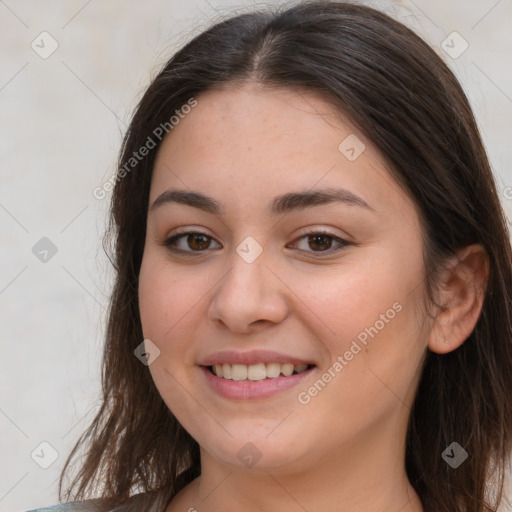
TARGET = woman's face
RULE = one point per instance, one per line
(308, 253)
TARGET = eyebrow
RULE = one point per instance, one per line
(280, 204)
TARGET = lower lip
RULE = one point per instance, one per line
(247, 389)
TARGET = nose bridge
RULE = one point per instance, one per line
(249, 292)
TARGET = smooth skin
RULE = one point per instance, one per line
(243, 145)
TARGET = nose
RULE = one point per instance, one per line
(249, 297)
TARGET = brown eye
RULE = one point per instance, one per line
(198, 241)
(320, 242)
(189, 242)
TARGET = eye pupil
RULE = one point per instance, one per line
(202, 241)
(325, 241)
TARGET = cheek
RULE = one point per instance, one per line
(169, 304)
(168, 298)
(367, 313)
(342, 301)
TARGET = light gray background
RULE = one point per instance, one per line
(62, 122)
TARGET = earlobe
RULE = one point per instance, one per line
(461, 296)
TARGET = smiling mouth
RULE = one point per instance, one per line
(255, 372)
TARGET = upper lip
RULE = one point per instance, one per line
(251, 357)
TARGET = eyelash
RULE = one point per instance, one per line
(171, 240)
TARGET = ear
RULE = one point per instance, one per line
(461, 295)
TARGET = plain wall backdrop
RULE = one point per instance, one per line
(71, 74)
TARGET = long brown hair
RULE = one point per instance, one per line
(405, 99)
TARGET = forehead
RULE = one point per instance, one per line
(237, 116)
(242, 140)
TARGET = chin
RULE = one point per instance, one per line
(253, 452)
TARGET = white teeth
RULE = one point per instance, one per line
(273, 370)
(258, 371)
(238, 372)
(287, 369)
(226, 371)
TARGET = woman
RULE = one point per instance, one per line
(312, 306)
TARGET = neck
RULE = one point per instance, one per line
(368, 475)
